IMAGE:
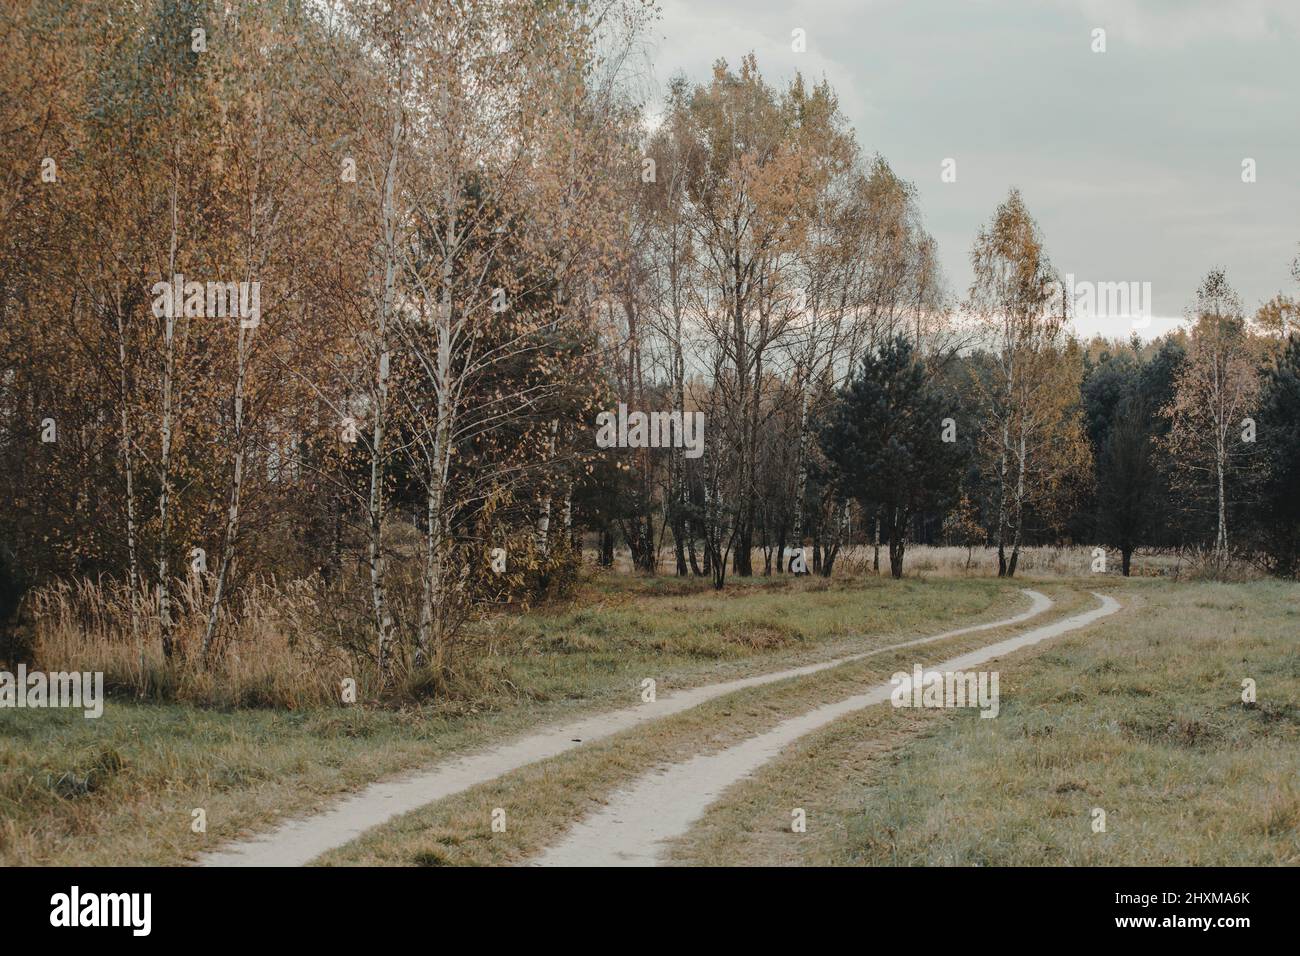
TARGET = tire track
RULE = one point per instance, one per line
(298, 842)
(631, 829)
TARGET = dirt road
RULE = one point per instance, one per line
(298, 842)
(664, 803)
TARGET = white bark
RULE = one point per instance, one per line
(439, 457)
(378, 591)
(164, 461)
(236, 492)
(544, 518)
(133, 568)
(237, 476)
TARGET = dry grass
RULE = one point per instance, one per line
(1205, 564)
(273, 652)
(543, 800)
(292, 645)
(120, 790)
(288, 646)
(1141, 717)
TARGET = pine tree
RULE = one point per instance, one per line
(885, 443)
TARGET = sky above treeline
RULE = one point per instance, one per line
(1131, 160)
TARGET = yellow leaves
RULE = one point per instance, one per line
(1278, 316)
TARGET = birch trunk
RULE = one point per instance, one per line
(237, 475)
(132, 567)
(378, 591)
(435, 520)
(1008, 363)
(544, 519)
(1220, 460)
(236, 492)
(164, 460)
(875, 554)
(1002, 497)
(1022, 453)
(680, 491)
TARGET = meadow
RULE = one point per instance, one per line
(1141, 716)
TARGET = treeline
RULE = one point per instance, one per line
(326, 299)
(1185, 445)
(387, 226)
(850, 401)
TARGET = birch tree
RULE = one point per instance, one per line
(1032, 434)
(1215, 392)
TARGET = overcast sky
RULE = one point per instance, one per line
(1131, 160)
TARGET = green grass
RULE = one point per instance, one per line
(674, 630)
(543, 800)
(1141, 716)
(121, 789)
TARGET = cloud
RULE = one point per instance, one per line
(693, 35)
(1131, 160)
(1179, 23)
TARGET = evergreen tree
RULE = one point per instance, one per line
(1121, 424)
(1278, 509)
(884, 442)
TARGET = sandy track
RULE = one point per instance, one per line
(632, 827)
(300, 841)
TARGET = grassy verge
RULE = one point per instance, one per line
(122, 789)
(542, 800)
(1142, 718)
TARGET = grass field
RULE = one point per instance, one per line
(1143, 719)
(1140, 715)
(542, 800)
(122, 789)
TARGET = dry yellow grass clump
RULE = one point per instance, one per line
(273, 651)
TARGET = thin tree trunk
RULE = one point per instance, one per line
(378, 589)
(237, 478)
(1221, 537)
(164, 463)
(1002, 499)
(801, 473)
(1021, 456)
(132, 566)
(431, 584)
(690, 553)
(875, 557)
(236, 491)
(430, 631)
(897, 534)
